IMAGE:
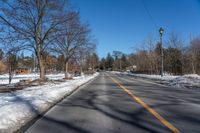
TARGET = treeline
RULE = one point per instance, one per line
(179, 58)
(49, 29)
(53, 64)
(116, 61)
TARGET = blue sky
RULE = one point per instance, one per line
(124, 24)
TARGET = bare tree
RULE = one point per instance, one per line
(74, 36)
(85, 57)
(10, 54)
(195, 55)
(173, 54)
(12, 64)
(150, 44)
(34, 23)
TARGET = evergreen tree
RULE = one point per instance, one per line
(109, 62)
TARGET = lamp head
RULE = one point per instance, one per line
(161, 30)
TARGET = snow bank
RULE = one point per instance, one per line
(16, 78)
(156, 77)
(190, 80)
(19, 107)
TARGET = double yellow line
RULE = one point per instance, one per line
(149, 109)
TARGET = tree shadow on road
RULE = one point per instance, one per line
(111, 102)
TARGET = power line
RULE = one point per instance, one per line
(149, 14)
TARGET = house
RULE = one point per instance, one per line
(2, 67)
(132, 68)
(23, 70)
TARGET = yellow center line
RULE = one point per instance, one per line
(149, 109)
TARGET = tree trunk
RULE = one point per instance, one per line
(82, 71)
(193, 68)
(66, 69)
(10, 73)
(42, 68)
(82, 66)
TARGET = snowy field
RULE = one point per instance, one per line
(18, 108)
(188, 81)
(32, 76)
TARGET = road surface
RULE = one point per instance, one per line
(114, 103)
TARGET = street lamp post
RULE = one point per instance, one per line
(161, 33)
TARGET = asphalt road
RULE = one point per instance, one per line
(107, 105)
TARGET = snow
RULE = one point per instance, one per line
(16, 78)
(187, 81)
(155, 77)
(18, 108)
(191, 81)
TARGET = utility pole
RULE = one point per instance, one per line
(161, 33)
